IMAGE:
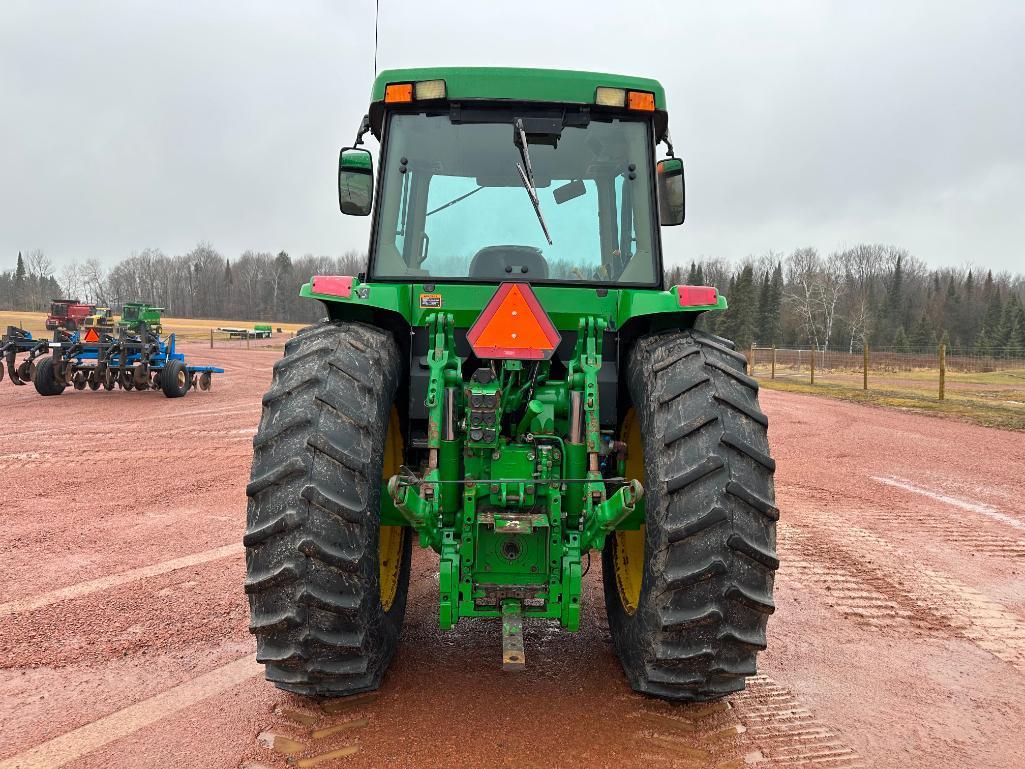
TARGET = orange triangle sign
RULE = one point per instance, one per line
(91, 336)
(513, 325)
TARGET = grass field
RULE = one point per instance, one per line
(993, 399)
(184, 328)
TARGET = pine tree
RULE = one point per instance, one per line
(1014, 342)
(1009, 336)
(900, 340)
(725, 323)
(1021, 326)
(924, 334)
(895, 296)
(692, 275)
(228, 280)
(19, 298)
(744, 308)
(776, 305)
(763, 331)
(699, 277)
(984, 341)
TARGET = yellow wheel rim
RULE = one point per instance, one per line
(628, 546)
(389, 547)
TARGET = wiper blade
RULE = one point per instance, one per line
(527, 175)
(533, 199)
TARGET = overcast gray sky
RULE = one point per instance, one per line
(126, 125)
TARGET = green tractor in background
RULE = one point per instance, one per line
(134, 313)
(512, 385)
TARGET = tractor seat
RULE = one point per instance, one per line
(504, 262)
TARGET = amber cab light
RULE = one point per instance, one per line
(398, 92)
(640, 100)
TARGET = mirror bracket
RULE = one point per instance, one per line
(364, 126)
(667, 139)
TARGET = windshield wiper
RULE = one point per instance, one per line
(527, 176)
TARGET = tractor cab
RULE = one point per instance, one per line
(485, 190)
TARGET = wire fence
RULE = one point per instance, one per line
(996, 377)
(248, 339)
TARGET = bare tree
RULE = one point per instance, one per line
(94, 281)
(70, 282)
(803, 267)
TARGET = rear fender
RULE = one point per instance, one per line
(379, 304)
(384, 305)
(647, 312)
(643, 312)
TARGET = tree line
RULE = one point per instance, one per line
(877, 294)
(200, 284)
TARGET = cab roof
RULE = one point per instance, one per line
(519, 84)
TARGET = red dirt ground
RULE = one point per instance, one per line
(899, 639)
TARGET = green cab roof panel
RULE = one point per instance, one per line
(519, 84)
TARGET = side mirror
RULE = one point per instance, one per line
(355, 181)
(670, 192)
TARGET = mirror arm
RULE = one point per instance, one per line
(364, 126)
(669, 144)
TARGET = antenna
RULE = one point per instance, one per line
(377, 15)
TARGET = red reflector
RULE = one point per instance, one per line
(333, 285)
(513, 325)
(697, 296)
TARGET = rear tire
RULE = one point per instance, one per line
(313, 531)
(706, 578)
(45, 378)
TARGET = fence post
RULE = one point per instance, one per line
(211, 339)
(812, 351)
(864, 351)
(247, 340)
(943, 370)
(751, 361)
(773, 362)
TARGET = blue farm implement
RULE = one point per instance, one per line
(132, 359)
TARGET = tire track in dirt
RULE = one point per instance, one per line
(950, 605)
(857, 593)
(854, 592)
(101, 429)
(765, 725)
(67, 747)
(971, 538)
(957, 531)
(786, 733)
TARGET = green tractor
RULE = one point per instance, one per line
(512, 385)
(134, 313)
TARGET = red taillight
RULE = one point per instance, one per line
(513, 325)
(333, 285)
(697, 296)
